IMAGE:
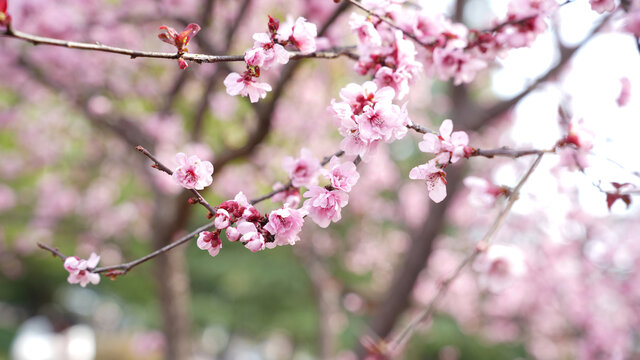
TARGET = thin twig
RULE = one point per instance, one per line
(480, 247)
(198, 58)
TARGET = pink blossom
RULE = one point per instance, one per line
(383, 121)
(252, 239)
(499, 265)
(233, 234)
(451, 62)
(290, 197)
(359, 96)
(342, 176)
(7, 198)
(192, 173)
(303, 170)
(632, 21)
(80, 270)
(180, 41)
(435, 177)
(625, 92)
(302, 34)
(222, 219)
(210, 241)
(285, 224)
(482, 191)
(602, 6)
(325, 206)
(453, 144)
(266, 52)
(246, 86)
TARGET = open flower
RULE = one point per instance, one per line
(342, 176)
(180, 41)
(246, 85)
(80, 270)
(325, 206)
(302, 34)
(251, 237)
(210, 241)
(192, 173)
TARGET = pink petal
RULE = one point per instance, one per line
(446, 128)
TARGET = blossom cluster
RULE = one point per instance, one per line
(448, 147)
(268, 50)
(366, 117)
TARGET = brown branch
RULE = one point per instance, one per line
(480, 247)
(198, 58)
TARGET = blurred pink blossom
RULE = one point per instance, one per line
(302, 171)
(325, 206)
(625, 92)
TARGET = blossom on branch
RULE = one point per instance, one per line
(342, 176)
(80, 270)
(325, 206)
(499, 265)
(180, 41)
(210, 241)
(192, 173)
(251, 237)
(303, 170)
(265, 52)
(602, 6)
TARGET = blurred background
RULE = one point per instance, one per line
(70, 178)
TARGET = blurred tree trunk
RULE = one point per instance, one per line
(172, 276)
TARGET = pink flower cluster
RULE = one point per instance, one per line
(192, 173)
(366, 116)
(80, 270)
(180, 41)
(268, 50)
(448, 148)
(325, 204)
